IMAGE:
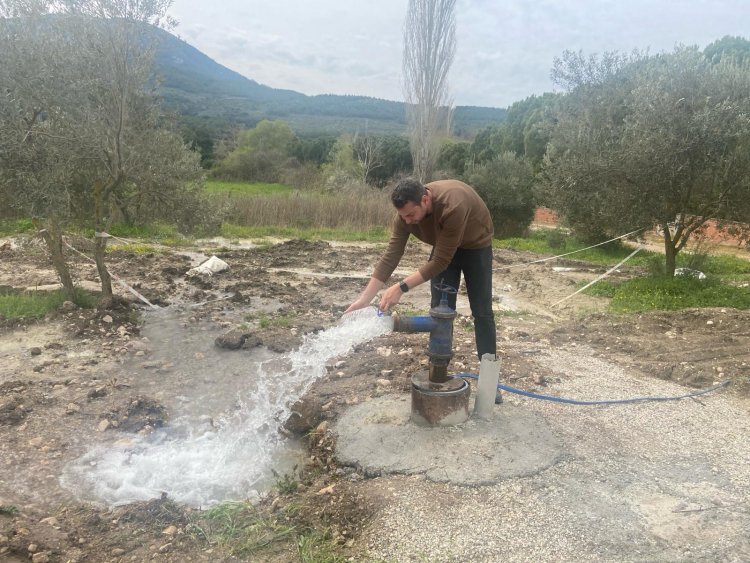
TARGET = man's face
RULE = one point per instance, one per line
(413, 213)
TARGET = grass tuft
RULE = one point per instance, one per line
(318, 547)
(36, 304)
(15, 226)
(241, 528)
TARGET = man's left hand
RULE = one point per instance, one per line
(390, 297)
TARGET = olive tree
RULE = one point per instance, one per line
(651, 141)
(81, 126)
(505, 184)
(429, 49)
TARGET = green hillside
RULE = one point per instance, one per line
(203, 91)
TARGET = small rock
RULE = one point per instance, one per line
(117, 552)
(539, 379)
(35, 351)
(165, 547)
(321, 429)
(97, 393)
(236, 339)
(72, 408)
(383, 382)
(40, 558)
(69, 306)
(339, 364)
(170, 530)
(52, 521)
(709, 323)
(35, 442)
(325, 490)
(107, 319)
(386, 372)
(33, 548)
(103, 425)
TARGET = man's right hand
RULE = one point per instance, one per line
(358, 304)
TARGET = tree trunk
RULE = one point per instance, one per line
(52, 236)
(100, 244)
(670, 251)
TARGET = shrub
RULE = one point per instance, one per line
(505, 185)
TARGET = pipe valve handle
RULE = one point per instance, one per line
(445, 288)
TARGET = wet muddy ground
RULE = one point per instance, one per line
(82, 377)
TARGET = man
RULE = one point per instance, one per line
(450, 216)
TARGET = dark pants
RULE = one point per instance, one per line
(476, 266)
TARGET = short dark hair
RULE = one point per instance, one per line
(407, 190)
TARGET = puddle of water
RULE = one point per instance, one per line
(214, 451)
(239, 244)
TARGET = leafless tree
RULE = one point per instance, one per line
(429, 49)
(368, 151)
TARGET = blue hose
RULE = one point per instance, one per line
(605, 402)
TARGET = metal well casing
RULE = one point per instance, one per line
(439, 404)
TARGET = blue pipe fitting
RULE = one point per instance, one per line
(440, 326)
(413, 324)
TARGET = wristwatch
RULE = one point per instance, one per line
(403, 286)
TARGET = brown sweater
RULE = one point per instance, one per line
(459, 219)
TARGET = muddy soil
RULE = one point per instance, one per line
(80, 377)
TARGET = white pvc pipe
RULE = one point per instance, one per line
(489, 374)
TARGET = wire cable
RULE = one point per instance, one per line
(602, 402)
(569, 253)
(598, 279)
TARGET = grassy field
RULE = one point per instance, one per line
(373, 234)
(246, 188)
(727, 282)
(554, 243)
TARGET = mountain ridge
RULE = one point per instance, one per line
(200, 88)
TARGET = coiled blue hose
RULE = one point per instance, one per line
(604, 402)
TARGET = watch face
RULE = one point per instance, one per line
(403, 287)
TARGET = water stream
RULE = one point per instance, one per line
(224, 436)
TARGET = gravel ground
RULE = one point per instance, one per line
(656, 481)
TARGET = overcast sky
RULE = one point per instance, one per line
(505, 48)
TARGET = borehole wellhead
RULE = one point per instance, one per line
(436, 398)
(440, 326)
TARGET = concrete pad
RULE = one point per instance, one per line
(378, 438)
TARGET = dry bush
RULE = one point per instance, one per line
(360, 210)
